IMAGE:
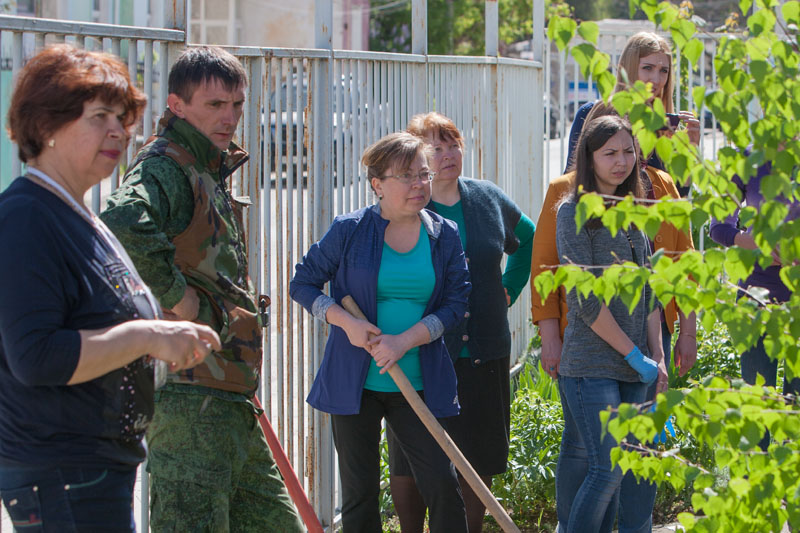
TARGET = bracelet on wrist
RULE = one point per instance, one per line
(687, 335)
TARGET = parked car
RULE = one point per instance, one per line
(290, 121)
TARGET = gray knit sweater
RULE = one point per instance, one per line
(584, 353)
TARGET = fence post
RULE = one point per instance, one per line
(419, 27)
(320, 186)
(491, 167)
(492, 29)
(175, 15)
(419, 46)
(538, 91)
(538, 31)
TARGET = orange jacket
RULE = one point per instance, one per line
(545, 251)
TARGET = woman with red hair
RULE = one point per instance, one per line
(79, 331)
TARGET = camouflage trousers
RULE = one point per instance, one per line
(211, 468)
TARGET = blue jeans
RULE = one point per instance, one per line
(584, 465)
(67, 500)
(636, 499)
(756, 361)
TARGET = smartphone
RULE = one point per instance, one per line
(673, 119)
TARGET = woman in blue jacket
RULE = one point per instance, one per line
(490, 225)
(404, 267)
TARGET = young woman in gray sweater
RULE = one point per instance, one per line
(610, 355)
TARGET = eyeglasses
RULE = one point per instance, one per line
(410, 179)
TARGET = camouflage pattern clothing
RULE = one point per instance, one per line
(181, 227)
(211, 467)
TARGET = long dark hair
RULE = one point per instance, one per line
(594, 135)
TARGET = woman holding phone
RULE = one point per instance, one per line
(646, 57)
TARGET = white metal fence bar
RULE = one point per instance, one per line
(87, 29)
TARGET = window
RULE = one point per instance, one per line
(213, 22)
(26, 8)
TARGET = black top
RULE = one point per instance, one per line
(58, 277)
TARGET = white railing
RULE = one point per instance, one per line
(308, 116)
(142, 49)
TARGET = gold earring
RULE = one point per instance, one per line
(51, 143)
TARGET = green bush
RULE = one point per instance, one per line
(716, 356)
(528, 486)
(527, 489)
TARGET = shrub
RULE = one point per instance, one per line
(528, 485)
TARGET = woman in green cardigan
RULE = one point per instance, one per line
(490, 225)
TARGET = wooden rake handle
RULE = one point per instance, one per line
(293, 486)
(441, 436)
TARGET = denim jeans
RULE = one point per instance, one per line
(756, 361)
(594, 502)
(67, 500)
(636, 499)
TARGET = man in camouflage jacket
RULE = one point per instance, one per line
(211, 468)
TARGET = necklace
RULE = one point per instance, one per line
(100, 228)
(59, 190)
(102, 231)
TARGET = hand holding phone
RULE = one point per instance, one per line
(673, 120)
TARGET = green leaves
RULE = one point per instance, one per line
(589, 31)
(693, 50)
(739, 263)
(757, 107)
(763, 20)
(561, 30)
(589, 206)
(791, 12)
(682, 31)
(592, 62)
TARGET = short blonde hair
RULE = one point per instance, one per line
(394, 151)
(642, 45)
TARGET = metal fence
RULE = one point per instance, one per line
(308, 116)
(371, 94)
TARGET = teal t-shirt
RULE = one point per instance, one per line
(405, 285)
(456, 214)
(518, 266)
